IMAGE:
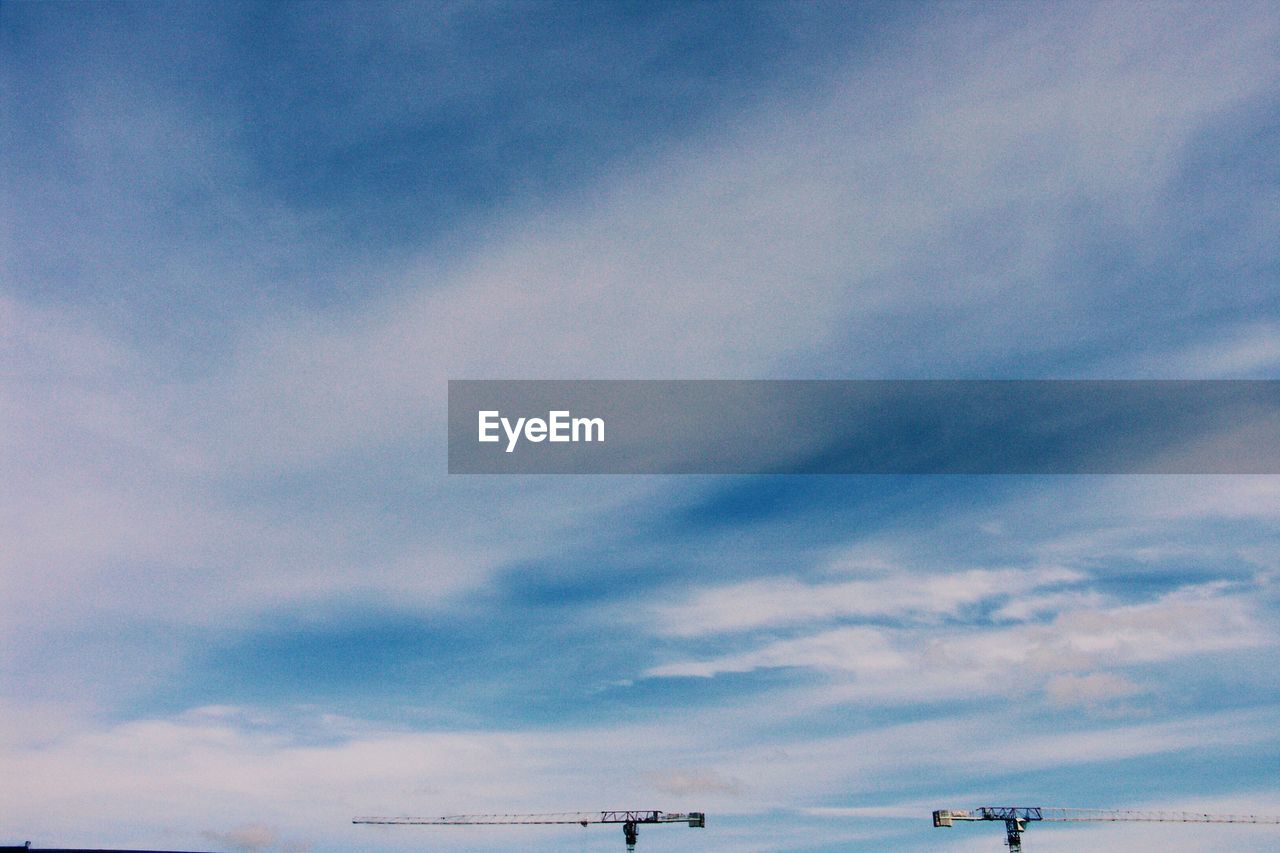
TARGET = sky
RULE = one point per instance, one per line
(246, 245)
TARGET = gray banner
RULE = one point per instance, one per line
(864, 427)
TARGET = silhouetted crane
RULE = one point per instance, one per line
(630, 820)
(1016, 818)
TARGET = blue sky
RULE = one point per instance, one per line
(246, 245)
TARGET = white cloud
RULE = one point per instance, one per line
(252, 838)
(689, 782)
(783, 600)
(1031, 604)
(1182, 499)
(1249, 351)
(865, 651)
(894, 665)
(1187, 621)
(1089, 690)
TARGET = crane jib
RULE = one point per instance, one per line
(629, 818)
(1016, 818)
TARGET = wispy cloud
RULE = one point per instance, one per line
(914, 664)
(1089, 690)
(781, 601)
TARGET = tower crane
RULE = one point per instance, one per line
(1016, 818)
(630, 820)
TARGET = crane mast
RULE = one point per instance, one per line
(1016, 818)
(630, 820)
